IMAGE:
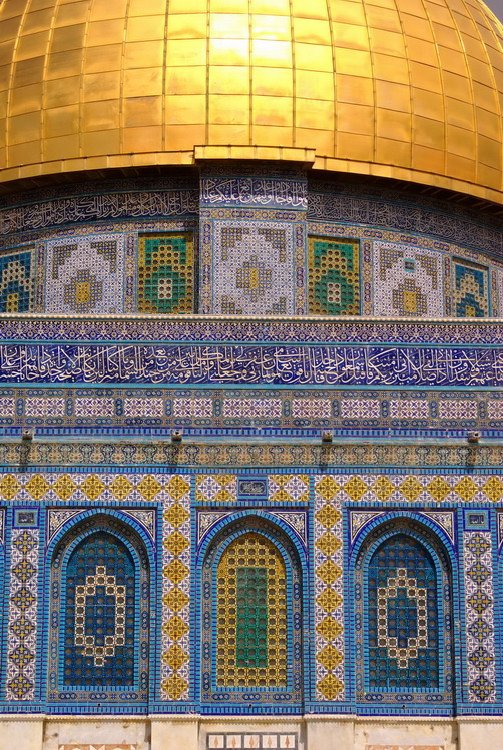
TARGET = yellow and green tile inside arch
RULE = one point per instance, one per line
(334, 276)
(471, 290)
(252, 615)
(166, 273)
(16, 282)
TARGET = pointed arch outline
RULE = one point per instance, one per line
(440, 548)
(134, 537)
(213, 546)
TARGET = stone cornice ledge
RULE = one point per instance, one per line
(471, 718)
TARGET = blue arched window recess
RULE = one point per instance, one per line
(99, 614)
(251, 618)
(403, 620)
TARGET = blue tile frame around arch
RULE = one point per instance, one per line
(45, 582)
(424, 527)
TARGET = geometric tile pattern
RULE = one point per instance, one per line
(16, 282)
(280, 409)
(330, 492)
(309, 408)
(85, 274)
(329, 592)
(251, 622)
(251, 617)
(143, 407)
(253, 268)
(334, 277)
(175, 642)
(456, 409)
(471, 290)
(104, 655)
(166, 273)
(222, 488)
(479, 604)
(251, 407)
(407, 281)
(285, 488)
(7, 409)
(402, 616)
(403, 619)
(94, 407)
(410, 408)
(216, 488)
(495, 409)
(359, 330)
(45, 407)
(22, 617)
(364, 408)
(99, 605)
(192, 407)
(174, 493)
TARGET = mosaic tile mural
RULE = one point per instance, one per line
(333, 276)
(85, 274)
(412, 255)
(17, 283)
(432, 498)
(329, 591)
(99, 610)
(216, 488)
(166, 273)
(361, 412)
(22, 616)
(251, 617)
(251, 625)
(403, 618)
(408, 281)
(403, 621)
(471, 290)
(176, 564)
(479, 603)
(253, 268)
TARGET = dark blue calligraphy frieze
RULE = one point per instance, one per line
(241, 364)
(74, 209)
(254, 191)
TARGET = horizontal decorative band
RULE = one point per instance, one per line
(442, 454)
(251, 365)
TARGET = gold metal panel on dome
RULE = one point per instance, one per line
(410, 89)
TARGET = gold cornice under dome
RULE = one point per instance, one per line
(408, 89)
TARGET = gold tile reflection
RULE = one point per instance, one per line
(278, 81)
(98, 116)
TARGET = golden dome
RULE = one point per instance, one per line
(410, 89)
